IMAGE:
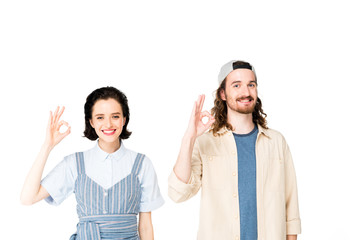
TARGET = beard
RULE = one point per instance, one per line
(234, 106)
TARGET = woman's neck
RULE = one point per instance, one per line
(109, 147)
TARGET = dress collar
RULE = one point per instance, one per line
(102, 155)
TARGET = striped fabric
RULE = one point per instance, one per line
(107, 213)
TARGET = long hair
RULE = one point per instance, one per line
(219, 111)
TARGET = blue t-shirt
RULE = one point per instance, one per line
(245, 144)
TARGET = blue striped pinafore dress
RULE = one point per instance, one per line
(107, 213)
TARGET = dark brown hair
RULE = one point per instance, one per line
(104, 94)
(219, 111)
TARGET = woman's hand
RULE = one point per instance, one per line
(32, 191)
(196, 126)
(53, 134)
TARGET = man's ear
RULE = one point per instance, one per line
(222, 94)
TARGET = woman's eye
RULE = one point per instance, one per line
(116, 117)
(99, 118)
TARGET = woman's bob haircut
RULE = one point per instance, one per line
(104, 94)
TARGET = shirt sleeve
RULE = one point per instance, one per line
(151, 198)
(60, 182)
(179, 191)
(293, 222)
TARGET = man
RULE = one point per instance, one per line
(245, 169)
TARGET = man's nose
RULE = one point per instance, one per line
(244, 91)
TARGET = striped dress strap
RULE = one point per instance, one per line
(80, 163)
(137, 164)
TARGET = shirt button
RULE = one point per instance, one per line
(210, 158)
(236, 237)
(234, 173)
(234, 195)
(104, 211)
(105, 193)
(236, 216)
(233, 153)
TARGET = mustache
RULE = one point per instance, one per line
(244, 98)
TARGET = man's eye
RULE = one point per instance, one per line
(99, 118)
(116, 117)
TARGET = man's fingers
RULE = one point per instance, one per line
(205, 114)
(202, 100)
(56, 112)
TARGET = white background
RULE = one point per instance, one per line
(162, 54)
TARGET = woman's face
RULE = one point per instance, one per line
(108, 120)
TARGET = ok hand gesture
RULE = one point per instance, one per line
(53, 134)
(196, 126)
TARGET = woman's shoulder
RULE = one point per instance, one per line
(134, 154)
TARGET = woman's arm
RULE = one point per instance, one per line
(32, 191)
(146, 231)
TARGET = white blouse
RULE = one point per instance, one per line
(106, 170)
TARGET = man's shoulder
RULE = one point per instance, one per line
(272, 132)
(211, 136)
(273, 135)
(211, 139)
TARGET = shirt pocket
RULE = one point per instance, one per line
(216, 172)
(275, 177)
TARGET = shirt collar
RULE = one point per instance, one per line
(102, 155)
(261, 131)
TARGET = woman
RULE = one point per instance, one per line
(111, 183)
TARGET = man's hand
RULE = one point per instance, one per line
(196, 126)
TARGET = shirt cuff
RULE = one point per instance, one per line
(293, 227)
(178, 190)
(52, 199)
(150, 206)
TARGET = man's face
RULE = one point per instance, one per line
(240, 91)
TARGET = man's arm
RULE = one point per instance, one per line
(180, 182)
(291, 237)
(293, 223)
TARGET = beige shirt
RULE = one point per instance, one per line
(214, 169)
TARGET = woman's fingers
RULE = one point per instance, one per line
(50, 119)
(59, 113)
(62, 123)
(64, 134)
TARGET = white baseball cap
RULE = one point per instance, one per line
(231, 66)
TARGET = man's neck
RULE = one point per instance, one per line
(241, 123)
